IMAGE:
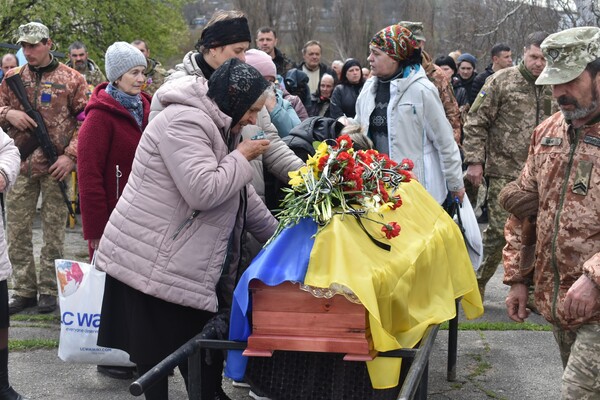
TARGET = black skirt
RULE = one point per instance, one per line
(4, 318)
(147, 328)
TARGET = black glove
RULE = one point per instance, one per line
(217, 328)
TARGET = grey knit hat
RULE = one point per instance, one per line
(121, 57)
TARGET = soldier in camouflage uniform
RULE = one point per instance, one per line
(79, 61)
(497, 133)
(561, 171)
(437, 77)
(155, 73)
(59, 94)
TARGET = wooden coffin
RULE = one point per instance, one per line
(284, 317)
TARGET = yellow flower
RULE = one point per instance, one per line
(313, 161)
(385, 207)
(321, 150)
(297, 177)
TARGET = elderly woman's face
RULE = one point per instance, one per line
(382, 65)
(219, 55)
(250, 117)
(131, 82)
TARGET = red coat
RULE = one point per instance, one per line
(108, 138)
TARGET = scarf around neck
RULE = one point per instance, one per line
(133, 104)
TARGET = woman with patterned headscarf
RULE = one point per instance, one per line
(402, 113)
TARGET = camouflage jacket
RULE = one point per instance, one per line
(59, 94)
(500, 122)
(155, 77)
(437, 77)
(92, 74)
(562, 168)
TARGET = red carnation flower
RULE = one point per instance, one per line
(407, 164)
(344, 142)
(391, 230)
(407, 175)
(323, 161)
(344, 156)
(396, 201)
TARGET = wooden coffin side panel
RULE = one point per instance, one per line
(285, 317)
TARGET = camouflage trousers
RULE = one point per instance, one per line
(21, 207)
(493, 235)
(565, 339)
(581, 378)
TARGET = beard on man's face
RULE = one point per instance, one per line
(79, 65)
(578, 112)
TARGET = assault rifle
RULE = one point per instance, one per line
(40, 133)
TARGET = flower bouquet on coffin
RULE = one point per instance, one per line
(339, 180)
(340, 195)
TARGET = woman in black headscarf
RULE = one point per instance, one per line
(176, 229)
(343, 99)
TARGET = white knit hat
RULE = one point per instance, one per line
(121, 57)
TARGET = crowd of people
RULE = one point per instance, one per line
(179, 171)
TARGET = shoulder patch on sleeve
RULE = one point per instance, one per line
(478, 100)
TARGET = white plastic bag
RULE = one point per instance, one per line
(466, 219)
(80, 292)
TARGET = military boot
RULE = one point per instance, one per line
(19, 303)
(47, 303)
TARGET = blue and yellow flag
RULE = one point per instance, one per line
(404, 290)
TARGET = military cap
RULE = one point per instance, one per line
(415, 27)
(33, 33)
(568, 53)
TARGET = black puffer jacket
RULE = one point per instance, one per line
(313, 129)
(343, 100)
(462, 89)
(300, 140)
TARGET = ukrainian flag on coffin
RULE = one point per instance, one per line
(404, 290)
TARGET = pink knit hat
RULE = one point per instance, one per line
(262, 62)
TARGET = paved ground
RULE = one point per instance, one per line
(506, 364)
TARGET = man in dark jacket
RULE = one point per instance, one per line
(266, 40)
(501, 58)
(312, 65)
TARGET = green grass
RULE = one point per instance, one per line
(47, 321)
(499, 326)
(31, 344)
(35, 318)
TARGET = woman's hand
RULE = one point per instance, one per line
(94, 243)
(253, 148)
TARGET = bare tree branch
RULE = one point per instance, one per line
(499, 23)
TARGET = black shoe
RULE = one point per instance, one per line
(19, 303)
(116, 372)
(46, 304)
(10, 394)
